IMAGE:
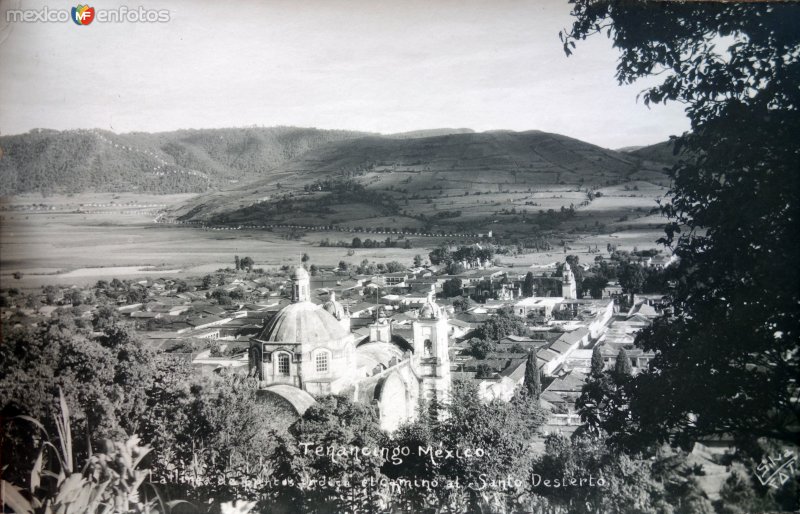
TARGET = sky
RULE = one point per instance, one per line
(372, 65)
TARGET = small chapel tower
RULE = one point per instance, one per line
(335, 309)
(568, 290)
(381, 330)
(431, 357)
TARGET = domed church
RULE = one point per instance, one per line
(307, 350)
(303, 345)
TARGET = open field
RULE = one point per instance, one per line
(514, 212)
(62, 247)
(52, 243)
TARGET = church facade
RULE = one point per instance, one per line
(308, 350)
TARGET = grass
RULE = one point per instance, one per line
(61, 247)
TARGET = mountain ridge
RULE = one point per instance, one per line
(190, 160)
(429, 182)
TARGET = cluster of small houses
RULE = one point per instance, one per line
(563, 346)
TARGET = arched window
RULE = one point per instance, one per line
(283, 364)
(322, 361)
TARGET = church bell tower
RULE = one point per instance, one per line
(431, 359)
(568, 290)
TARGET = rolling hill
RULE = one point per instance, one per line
(76, 161)
(451, 182)
(663, 152)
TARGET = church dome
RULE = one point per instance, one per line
(302, 322)
(299, 273)
(334, 308)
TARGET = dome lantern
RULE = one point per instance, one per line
(300, 285)
(334, 308)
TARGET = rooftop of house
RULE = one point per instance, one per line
(472, 317)
(575, 336)
(572, 382)
(581, 354)
(423, 280)
(361, 306)
(164, 334)
(211, 309)
(546, 355)
(612, 350)
(461, 324)
(644, 310)
(145, 314)
(204, 321)
(540, 301)
(482, 273)
(516, 371)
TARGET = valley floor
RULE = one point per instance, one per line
(80, 239)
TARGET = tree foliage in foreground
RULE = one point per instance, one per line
(468, 484)
(213, 430)
(103, 377)
(726, 360)
(621, 482)
(206, 431)
(327, 482)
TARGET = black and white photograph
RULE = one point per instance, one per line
(399, 256)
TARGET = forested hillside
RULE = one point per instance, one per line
(50, 161)
(457, 182)
(659, 152)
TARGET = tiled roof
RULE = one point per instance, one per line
(516, 371)
(571, 383)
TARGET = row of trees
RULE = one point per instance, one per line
(366, 267)
(472, 253)
(388, 243)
